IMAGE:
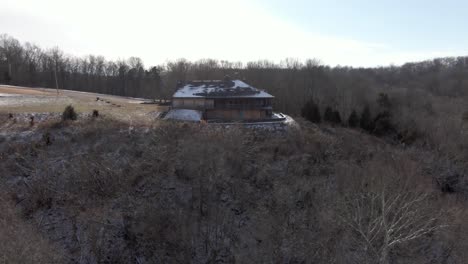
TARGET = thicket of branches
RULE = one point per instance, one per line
(180, 193)
(185, 193)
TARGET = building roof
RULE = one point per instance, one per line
(219, 89)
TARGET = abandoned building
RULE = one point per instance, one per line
(226, 100)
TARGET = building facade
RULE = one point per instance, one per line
(227, 100)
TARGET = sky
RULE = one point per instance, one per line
(359, 33)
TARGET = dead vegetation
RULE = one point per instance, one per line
(104, 191)
(382, 181)
(21, 241)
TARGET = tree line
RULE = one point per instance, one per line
(293, 82)
(29, 65)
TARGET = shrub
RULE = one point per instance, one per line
(353, 120)
(69, 113)
(311, 112)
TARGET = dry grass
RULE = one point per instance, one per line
(20, 242)
(47, 101)
(23, 91)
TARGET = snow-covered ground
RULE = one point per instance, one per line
(5, 94)
(184, 115)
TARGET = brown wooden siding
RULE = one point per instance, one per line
(195, 103)
(227, 109)
(234, 114)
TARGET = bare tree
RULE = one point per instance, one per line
(388, 217)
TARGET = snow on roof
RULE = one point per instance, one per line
(184, 115)
(216, 89)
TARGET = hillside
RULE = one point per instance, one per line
(102, 190)
(375, 172)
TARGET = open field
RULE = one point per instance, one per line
(12, 90)
(22, 100)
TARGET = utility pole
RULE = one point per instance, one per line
(9, 78)
(55, 74)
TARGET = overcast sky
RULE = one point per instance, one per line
(347, 32)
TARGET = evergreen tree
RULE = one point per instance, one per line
(6, 78)
(311, 112)
(366, 119)
(336, 117)
(332, 116)
(328, 116)
(353, 120)
(384, 101)
(383, 124)
(69, 113)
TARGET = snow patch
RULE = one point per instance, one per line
(184, 115)
(237, 89)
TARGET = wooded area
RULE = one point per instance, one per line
(422, 100)
(292, 81)
(378, 175)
